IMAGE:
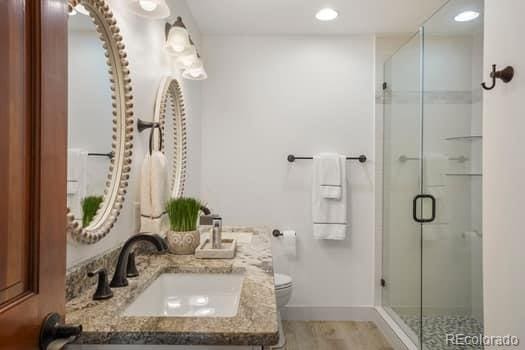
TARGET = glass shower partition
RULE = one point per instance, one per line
(452, 139)
(401, 292)
(432, 266)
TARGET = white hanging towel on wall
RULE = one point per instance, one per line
(76, 179)
(330, 180)
(153, 193)
(329, 208)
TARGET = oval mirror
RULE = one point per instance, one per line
(100, 120)
(169, 112)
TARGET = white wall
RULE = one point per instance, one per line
(144, 40)
(267, 97)
(503, 168)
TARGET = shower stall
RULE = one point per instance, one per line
(432, 175)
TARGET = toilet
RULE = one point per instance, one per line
(283, 289)
(283, 293)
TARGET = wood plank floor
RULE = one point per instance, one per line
(329, 335)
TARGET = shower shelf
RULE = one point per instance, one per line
(463, 174)
(465, 138)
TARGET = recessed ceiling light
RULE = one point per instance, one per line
(326, 14)
(466, 16)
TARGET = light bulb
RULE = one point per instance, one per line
(178, 39)
(148, 5)
(196, 71)
(195, 74)
(188, 57)
(152, 9)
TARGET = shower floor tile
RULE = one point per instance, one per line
(436, 327)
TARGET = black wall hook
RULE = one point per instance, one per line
(505, 75)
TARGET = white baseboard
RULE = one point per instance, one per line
(328, 313)
(392, 331)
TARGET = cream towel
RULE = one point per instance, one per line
(153, 193)
(328, 214)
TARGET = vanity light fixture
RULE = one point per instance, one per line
(196, 71)
(326, 14)
(466, 16)
(181, 47)
(148, 5)
(72, 11)
(152, 9)
(81, 9)
(188, 57)
(177, 37)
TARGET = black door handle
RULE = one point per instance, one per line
(414, 208)
(52, 329)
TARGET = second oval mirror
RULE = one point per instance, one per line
(169, 112)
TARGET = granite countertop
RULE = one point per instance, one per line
(255, 323)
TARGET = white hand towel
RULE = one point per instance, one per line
(328, 214)
(153, 193)
(76, 180)
(330, 175)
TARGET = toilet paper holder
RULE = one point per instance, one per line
(277, 233)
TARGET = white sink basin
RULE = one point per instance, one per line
(189, 295)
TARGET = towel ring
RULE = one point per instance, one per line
(143, 125)
(152, 132)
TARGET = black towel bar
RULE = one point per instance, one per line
(362, 158)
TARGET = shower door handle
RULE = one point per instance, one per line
(414, 208)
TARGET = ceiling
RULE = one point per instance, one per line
(443, 22)
(271, 17)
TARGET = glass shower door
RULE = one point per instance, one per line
(451, 244)
(401, 279)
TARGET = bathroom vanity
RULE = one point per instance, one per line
(182, 300)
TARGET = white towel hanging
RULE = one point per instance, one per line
(153, 193)
(329, 214)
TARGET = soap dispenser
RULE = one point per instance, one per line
(216, 233)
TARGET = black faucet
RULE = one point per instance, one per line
(119, 278)
(103, 291)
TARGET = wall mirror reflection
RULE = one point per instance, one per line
(89, 117)
(100, 120)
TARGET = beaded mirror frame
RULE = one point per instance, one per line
(171, 91)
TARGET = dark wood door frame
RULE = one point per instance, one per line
(46, 50)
